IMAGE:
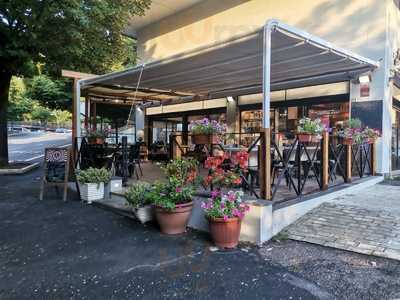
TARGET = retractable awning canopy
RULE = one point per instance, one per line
(236, 67)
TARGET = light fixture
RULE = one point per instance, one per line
(230, 99)
(139, 108)
(363, 79)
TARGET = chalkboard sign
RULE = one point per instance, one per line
(56, 169)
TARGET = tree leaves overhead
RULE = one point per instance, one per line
(82, 35)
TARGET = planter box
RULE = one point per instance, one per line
(308, 138)
(204, 139)
(91, 191)
(348, 142)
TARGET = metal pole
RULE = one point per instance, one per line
(124, 159)
(266, 147)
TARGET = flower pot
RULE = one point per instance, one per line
(91, 191)
(205, 139)
(370, 141)
(144, 214)
(348, 141)
(96, 141)
(225, 234)
(308, 138)
(99, 141)
(174, 221)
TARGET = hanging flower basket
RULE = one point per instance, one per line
(205, 139)
(308, 138)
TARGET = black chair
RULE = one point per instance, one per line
(134, 161)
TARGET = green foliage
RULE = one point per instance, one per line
(138, 195)
(180, 186)
(306, 125)
(50, 93)
(169, 194)
(354, 123)
(62, 117)
(78, 35)
(93, 175)
(19, 105)
(41, 113)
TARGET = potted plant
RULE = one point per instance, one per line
(173, 199)
(352, 136)
(91, 183)
(224, 213)
(371, 134)
(138, 198)
(309, 130)
(224, 171)
(97, 136)
(206, 132)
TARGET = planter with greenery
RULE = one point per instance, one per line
(138, 198)
(309, 130)
(226, 172)
(173, 199)
(91, 183)
(224, 213)
(206, 132)
(97, 136)
(356, 134)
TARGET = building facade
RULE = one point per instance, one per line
(367, 27)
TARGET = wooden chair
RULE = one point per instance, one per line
(56, 169)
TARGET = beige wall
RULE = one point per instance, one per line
(367, 27)
(358, 25)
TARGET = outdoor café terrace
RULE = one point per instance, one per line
(281, 166)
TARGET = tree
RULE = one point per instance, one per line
(50, 93)
(41, 113)
(61, 117)
(83, 35)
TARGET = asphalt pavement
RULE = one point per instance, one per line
(30, 146)
(55, 250)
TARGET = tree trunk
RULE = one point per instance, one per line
(4, 88)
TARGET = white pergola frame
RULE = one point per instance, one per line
(344, 65)
(269, 27)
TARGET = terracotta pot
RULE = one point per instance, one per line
(205, 139)
(96, 141)
(347, 141)
(99, 141)
(308, 138)
(174, 221)
(225, 234)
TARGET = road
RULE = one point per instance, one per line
(30, 146)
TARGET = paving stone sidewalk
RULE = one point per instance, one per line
(353, 228)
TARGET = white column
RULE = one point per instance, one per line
(139, 120)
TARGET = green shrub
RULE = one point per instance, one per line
(93, 175)
(138, 195)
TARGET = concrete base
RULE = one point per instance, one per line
(257, 225)
(19, 171)
(262, 222)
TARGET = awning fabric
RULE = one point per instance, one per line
(235, 67)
